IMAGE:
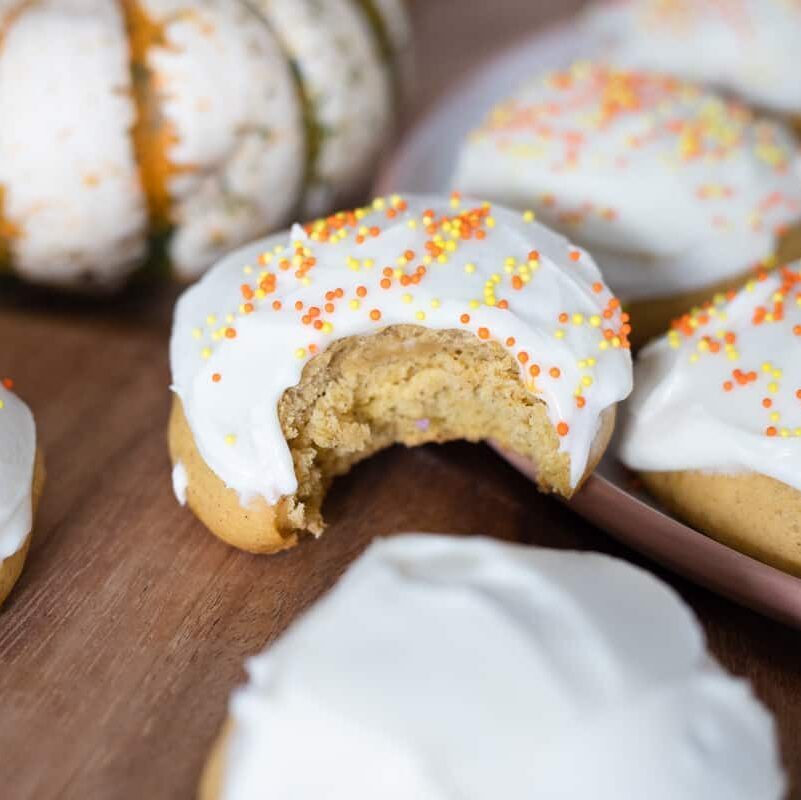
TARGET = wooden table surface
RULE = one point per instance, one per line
(130, 625)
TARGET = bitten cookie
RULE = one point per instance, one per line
(21, 483)
(714, 424)
(444, 668)
(747, 47)
(678, 193)
(412, 320)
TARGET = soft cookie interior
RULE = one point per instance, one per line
(405, 384)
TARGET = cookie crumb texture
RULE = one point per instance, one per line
(405, 384)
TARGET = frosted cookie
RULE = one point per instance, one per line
(222, 145)
(21, 482)
(714, 424)
(445, 668)
(348, 88)
(747, 47)
(412, 320)
(676, 192)
(72, 210)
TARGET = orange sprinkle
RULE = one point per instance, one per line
(767, 402)
(522, 357)
(575, 255)
(581, 402)
(771, 431)
(298, 305)
(464, 319)
(503, 304)
(597, 287)
(276, 305)
(563, 429)
(8, 383)
(727, 386)
(375, 315)
(534, 370)
(510, 342)
(361, 291)
(216, 377)
(230, 333)
(554, 372)
(563, 317)
(329, 308)
(483, 333)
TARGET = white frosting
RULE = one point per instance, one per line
(672, 189)
(17, 459)
(348, 87)
(229, 94)
(180, 482)
(749, 47)
(560, 321)
(721, 392)
(72, 202)
(442, 668)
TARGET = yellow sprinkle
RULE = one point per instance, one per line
(354, 304)
(230, 439)
(775, 416)
(559, 334)
(587, 380)
(767, 366)
(211, 319)
(474, 303)
(206, 352)
(197, 333)
(773, 387)
(407, 298)
(327, 327)
(248, 270)
(529, 216)
(421, 315)
(595, 321)
(470, 268)
(300, 353)
(578, 319)
(435, 303)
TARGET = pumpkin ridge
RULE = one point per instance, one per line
(8, 232)
(153, 136)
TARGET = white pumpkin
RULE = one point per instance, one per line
(183, 127)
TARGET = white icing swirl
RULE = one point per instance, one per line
(422, 261)
(442, 668)
(749, 47)
(17, 459)
(671, 188)
(70, 196)
(722, 391)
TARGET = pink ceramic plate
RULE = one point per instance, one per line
(424, 163)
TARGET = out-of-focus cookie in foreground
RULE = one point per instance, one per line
(676, 192)
(442, 667)
(21, 483)
(713, 427)
(413, 320)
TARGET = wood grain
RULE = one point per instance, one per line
(129, 627)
